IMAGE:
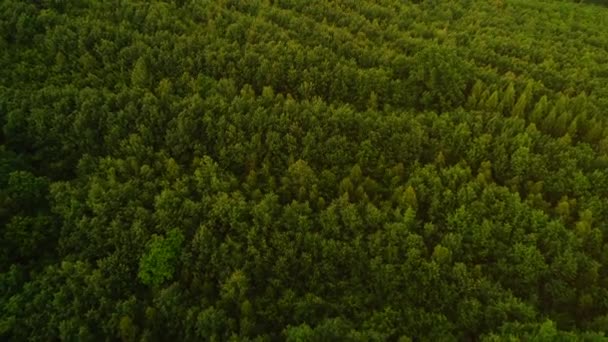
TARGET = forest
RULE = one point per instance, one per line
(295, 170)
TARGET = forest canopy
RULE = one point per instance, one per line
(293, 170)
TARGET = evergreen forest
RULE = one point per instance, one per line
(303, 170)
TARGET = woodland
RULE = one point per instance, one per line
(295, 170)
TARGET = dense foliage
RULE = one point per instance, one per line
(303, 170)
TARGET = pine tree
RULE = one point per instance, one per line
(508, 99)
(140, 75)
(475, 96)
(491, 104)
(562, 122)
(548, 123)
(519, 110)
(540, 110)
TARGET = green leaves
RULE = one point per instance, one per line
(140, 76)
(159, 262)
(441, 77)
(303, 170)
